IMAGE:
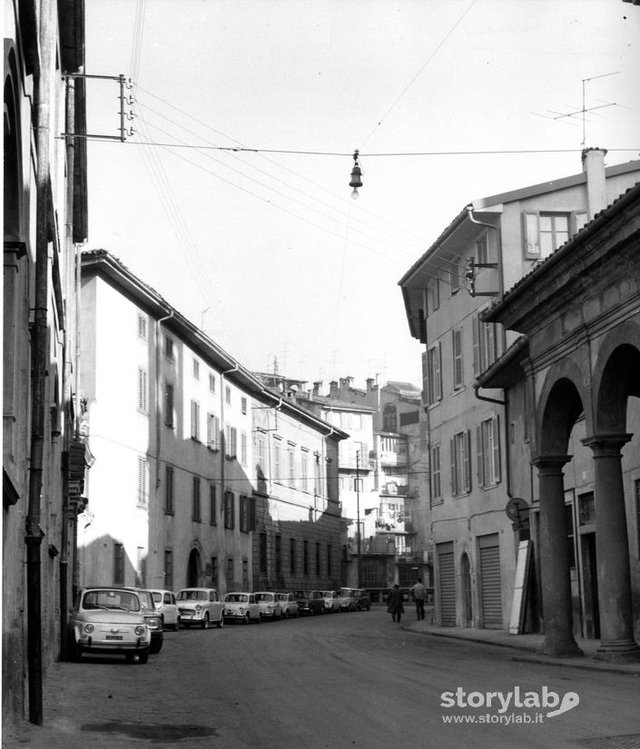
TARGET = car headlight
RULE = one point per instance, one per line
(241, 610)
(88, 628)
(139, 630)
(154, 623)
(198, 608)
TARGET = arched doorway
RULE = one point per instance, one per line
(467, 603)
(194, 569)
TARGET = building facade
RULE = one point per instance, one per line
(186, 489)
(45, 222)
(572, 385)
(487, 248)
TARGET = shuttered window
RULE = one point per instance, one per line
(460, 447)
(458, 369)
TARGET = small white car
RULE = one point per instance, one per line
(331, 601)
(200, 606)
(270, 607)
(241, 607)
(165, 601)
(288, 604)
(108, 621)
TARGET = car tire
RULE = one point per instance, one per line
(75, 652)
(205, 622)
(220, 622)
(258, 619)
(143, 657)
(155, 647)
(246, 620)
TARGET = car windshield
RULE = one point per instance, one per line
(157, 597)
(346, 592)
(193, 595)
(264, 597)
(111, 599)
(236, 598)
(327, 593)
(146, 599)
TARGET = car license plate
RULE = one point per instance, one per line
(113, 637)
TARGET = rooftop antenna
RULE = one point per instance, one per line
(584, 109)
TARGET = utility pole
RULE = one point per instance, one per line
(359, 536)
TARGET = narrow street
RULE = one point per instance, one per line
(329, 681)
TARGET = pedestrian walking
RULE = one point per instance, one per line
(394, 603)
(418, 594)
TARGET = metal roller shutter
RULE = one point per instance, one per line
(490, 583)
(447, 584)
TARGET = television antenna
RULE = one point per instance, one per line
(585, 109)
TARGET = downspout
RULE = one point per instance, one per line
(34, 534)
(507, 452)
(66, 514)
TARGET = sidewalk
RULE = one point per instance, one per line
(527, 645)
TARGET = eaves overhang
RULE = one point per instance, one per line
(507, 370)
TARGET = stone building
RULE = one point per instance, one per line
(492, 244)
(45, 222)
(198, 466)
(572, 382)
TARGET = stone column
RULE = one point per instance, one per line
(612, 549)
(554, 560)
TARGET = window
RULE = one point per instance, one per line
(458, 369)
(195, 420)
(243, 405)
(263, 553)
(460, 463)
(318, 557)
(229, 510)
(118, 564)
(455, 276)
(143, 468)
(544, 232)
(260, 450)
(482, 253)
(168, 405)
(142, 327)
(488, 446)
(213, 504)
(230, 573)
(292, 556)
(434, 374)
(243, 449)
(329, 554)
(436, 482)
(276, 460)
(246, 514)
(389, 418)
(485, 345)
(196, 369)
(212, 382)
(142, 389)
(304, 469)
(433, 291)
(169, 351)
(409, 417)
(305, 557)
(292, 462)
(168, 569)
(213, 432)
(231, 442)
(168, 490)
(636, 489)
(317, 477)
(278, 554)
(195, 512)
(227, 395)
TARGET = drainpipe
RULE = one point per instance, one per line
(507, 454)
(39, 340)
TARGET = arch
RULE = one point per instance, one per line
(467, 598)
(616, 378)
(194, 569)
(562, 401)
(12, 198)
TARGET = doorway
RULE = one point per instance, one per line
(194, 569)
(590, 583)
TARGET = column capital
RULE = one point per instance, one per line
(607, 445)
(550, 463)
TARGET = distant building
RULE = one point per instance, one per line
(489, 247)
(198, 466)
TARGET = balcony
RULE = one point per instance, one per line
(393, 451)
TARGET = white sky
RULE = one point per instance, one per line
(268, 251)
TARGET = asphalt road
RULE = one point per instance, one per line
(339, 681)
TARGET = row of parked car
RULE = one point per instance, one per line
(131, 621)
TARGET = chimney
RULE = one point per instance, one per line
(370, 382)
(593, 166)
(316, 387)
(333, 387)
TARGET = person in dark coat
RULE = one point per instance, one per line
(394, 603)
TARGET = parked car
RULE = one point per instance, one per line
(269, 605)
(241, 607)
(288, 604)
(347, 599)
(153, 618)
(108, 620)
(166, 605)
(331, 601)
(310, 603)
(200, 606)
(363, 599)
